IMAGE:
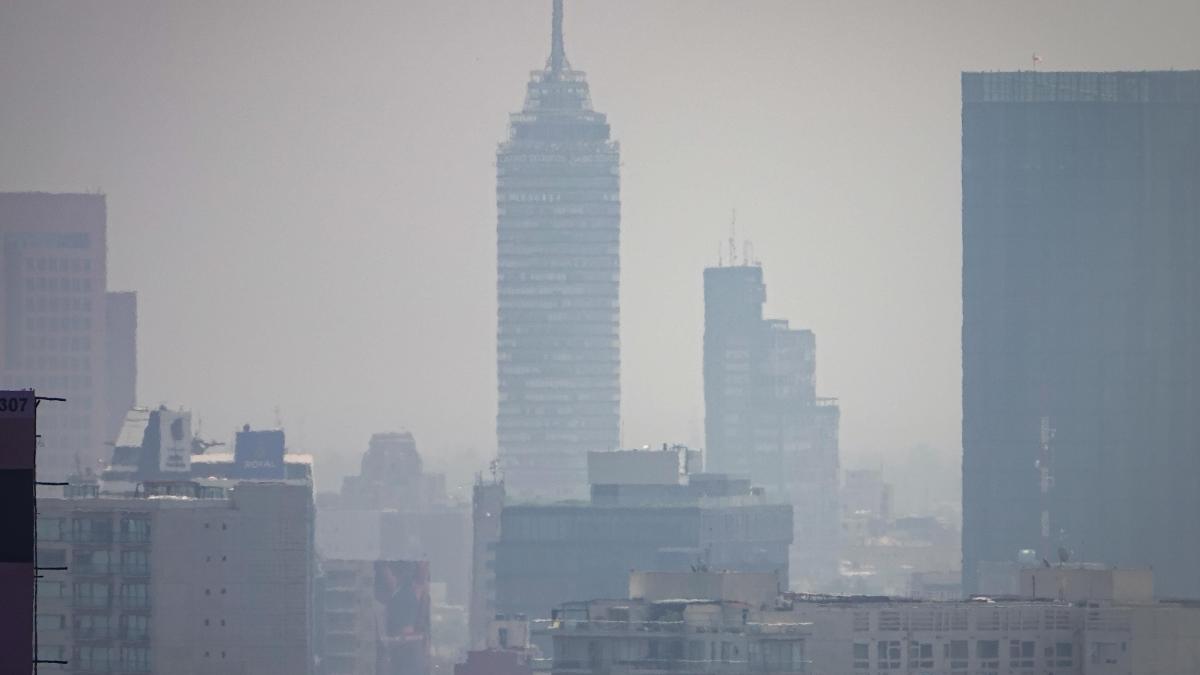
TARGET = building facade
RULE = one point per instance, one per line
(1081, 330)
(374, 617)
(53, 332)
(120, 315)
(184, 579)
(487, 503)
(734, 629)
(763, 418)
(548, 554)
(558, 231)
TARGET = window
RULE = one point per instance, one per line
(135, 530)
(135, 659)
(92, 626)
(94, 658)
(135, 563)
(135, 595)
(920, 655)
(51, 557)
(49, 589)
(1021, 653)
(50, 529)
(50, 622)
(1104, 653)
(90, 562)
(862, 656)
(92, 530)
(89, 594)
(887, 653)
(988, 653)
(134, 626)
(51, 652)
(958, 653)
(1063, 654)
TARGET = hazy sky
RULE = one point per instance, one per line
(303, 193)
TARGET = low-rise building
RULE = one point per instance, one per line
(507, 652)
(1081, 620)
(679, 623)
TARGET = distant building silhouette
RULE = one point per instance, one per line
(53, 320)
(763, 418)
(120, 310)
(1081, 320)
(558, 343)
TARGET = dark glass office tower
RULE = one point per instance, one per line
(558, 343)
(1081, 320)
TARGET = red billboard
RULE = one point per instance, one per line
(402, 617)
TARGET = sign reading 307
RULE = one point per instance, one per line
(17, 404)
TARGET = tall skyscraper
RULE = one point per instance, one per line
(558, 229)
(1081, 320)
(53, 337)
(121, 358)
(763, 418)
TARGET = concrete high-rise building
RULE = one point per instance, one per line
(120, 310)
(763, 418)
(54, 318)
(1081, 326)
(558, 343)
(487, 503)
(185, 578)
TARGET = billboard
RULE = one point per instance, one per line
(18, 442)
(175, 441)
(259, 454)
(402, 617)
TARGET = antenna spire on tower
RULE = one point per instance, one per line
(558, 55)
(733, 239)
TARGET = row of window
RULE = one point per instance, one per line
(98, 626)
(131, 529)
(59, 284)
(93, 594)
(72, 265)
(67, 343)
(121, 659)
(957, 653)
(54, 303)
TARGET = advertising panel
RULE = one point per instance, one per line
(259, 454)
(175, 441)
(402, 617)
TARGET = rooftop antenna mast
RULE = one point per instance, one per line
(558, 56)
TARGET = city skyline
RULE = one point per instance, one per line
(218, 163)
